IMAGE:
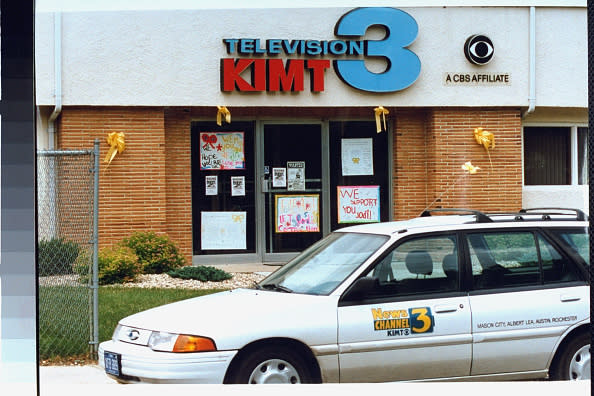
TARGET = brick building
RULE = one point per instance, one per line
(302, 154)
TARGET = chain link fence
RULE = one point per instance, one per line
(67, 213)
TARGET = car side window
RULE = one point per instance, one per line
(555, 267)
(503, 259)
(508, 259)
(578, 240)
(419, 266)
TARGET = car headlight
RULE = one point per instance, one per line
(116, 333)
(179, 343)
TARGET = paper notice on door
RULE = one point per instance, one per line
(279, 177)
(357, 157)
(295, 175)
(223, 230)
(212, 185)
(237, 186)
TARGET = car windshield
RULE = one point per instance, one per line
(324, 265)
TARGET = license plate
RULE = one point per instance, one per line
(113, 363)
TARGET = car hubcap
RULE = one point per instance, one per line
(274, 371)
(579, 368)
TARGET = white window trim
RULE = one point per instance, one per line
(573, 146)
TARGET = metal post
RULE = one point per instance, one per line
(95, 277)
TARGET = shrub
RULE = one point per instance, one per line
(156, 253)
(55, 256)
(117, 264)
(201, 273)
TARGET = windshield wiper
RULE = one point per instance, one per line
(274, 286)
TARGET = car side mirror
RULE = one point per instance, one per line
(361, 288)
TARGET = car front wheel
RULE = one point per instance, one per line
(272, 365)
(574, 363)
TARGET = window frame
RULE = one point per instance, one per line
(462, 288)
(536, 232)
(573, 151)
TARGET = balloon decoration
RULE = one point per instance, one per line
(469, 170)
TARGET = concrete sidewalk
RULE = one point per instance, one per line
(90, 374)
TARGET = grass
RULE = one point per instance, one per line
(64, 329)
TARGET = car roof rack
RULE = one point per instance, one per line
(480, 216)
(547, 212)
(544, 213)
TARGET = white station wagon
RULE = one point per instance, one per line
(439, 297)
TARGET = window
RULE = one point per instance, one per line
(509, 259)
(578, 240)
(554, 267)
(503, 259)
(555, 155)
(420, 265)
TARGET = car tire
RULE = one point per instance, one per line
(272, 365)
(574, 361)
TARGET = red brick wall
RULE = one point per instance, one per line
(143, 187)
(430, 147)
(148, 186)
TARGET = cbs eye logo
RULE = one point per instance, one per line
(478, 49)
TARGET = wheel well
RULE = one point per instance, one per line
(585, 328)
(288, 343)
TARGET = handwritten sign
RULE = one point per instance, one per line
(297, 213)
(223, 230)
(358, 204)
(221, 151)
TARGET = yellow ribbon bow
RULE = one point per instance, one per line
(117, 145)
(380, 111)
(222, 111)
(485, 139)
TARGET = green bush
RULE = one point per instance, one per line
(201, 273)
(156, 253)
(117, 264)
(56, 256)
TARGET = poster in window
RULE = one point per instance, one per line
(237, 186)
(297, 213)
(223, 230)
(222, 151)
(212, 185)
(357, 156)
(295, 175)
(279, 177)
(358, 204)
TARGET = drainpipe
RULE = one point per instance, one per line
(51, 129)
(532, 60)
(51, 126)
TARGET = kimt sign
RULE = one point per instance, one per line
(280, 65)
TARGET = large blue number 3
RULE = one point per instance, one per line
(403, 65)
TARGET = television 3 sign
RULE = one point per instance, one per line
(259, 59)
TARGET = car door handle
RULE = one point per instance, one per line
(569, 298)
(445, 308)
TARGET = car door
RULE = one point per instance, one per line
(527, 294)
(415, 323)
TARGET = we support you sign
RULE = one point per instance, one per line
(358, 204)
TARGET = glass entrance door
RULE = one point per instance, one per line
(292, 187)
